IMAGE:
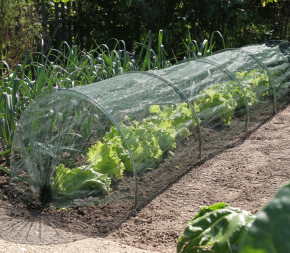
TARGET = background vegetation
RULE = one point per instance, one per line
(241, 22)
(30, 66)
(19, 27)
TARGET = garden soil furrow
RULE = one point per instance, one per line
(244, 176)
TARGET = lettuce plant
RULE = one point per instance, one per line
(222, 100)
(104, 158)
(147, 140)
(221, 228)
(73, 181)
(270, 230)
(217, 228)
(217, 102)
(256, 82)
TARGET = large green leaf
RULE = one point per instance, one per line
(80, 179)
(104, 158)
(217, 228)
(270, 232)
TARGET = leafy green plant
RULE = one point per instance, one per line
(221, 228)
(65, 68)
(104, 158)
(72, 181)
(217, 101)
(68, 67)
(255, 84)
(222, 100)
(270, 230)
(217, 228)
(147, 140)
(150, 138)
(147, 58)
(13, 101)
(19, 30)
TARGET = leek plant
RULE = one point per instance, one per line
(194, 49)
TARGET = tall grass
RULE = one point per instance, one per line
(67, 67)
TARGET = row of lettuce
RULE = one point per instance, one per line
(156, 134)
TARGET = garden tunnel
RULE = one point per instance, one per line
(124, 139)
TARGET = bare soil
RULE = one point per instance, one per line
(245, 176)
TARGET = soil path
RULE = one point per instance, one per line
(245, 176)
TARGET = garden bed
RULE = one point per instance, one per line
(244, 176)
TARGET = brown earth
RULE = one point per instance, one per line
(244, 176)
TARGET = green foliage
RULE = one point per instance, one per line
(12, 104)
(264, 2)
(19, 29)
(64, 68)
(217, 101)
(147, 140)
(221, 100)
(194, 50)
(217, 228)
(270, 230)
(104, 158)
(241, 22)
(220, 228)
(72, 181)
(144, 146)
(27, 81)
(168, 117)
(255, 81)
(4, 169)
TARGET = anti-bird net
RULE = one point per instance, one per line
(121, 141)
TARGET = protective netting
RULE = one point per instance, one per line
(122, 140)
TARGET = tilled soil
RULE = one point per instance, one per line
(244, 176)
